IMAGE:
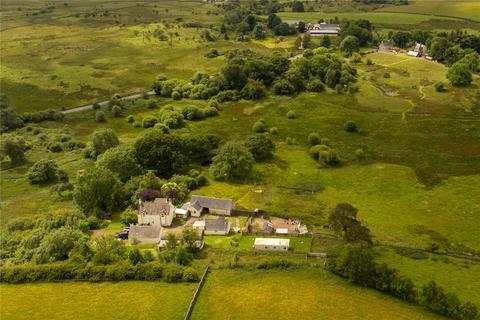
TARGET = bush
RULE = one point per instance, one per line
(290, 141)
(193, 113)
(260, 146)
(172, 119)
(315, 150)
(313, 138)
(283, 87)
(116, 111)
(386, 75)
(173, 273)
(130, 119)
(149, 122)
(96, 106)
(253, 90)
(274, 130)
(291, 114)
(211, 112)
(214, 104)
(100, 116)
(152, 105)
(43, 171)
(315, 85)
(176, 95)
(190, 275)
(360, 154)
(350, 126)
(439, 86)
(459, 74)
(259, 127)
(275, 264)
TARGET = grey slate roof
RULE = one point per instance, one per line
(142, 231)
(159, 206)
(216, 225)
(213, 203)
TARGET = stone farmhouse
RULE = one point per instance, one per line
(158, 212)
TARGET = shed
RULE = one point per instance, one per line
(200, 225)
(220, 226)
(271, 244)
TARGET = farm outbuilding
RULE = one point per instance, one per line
(271, 244)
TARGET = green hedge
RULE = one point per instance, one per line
(114, 272)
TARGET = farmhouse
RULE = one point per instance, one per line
(220, 226)
(323, 29)
(159, 212)
(144, 234)
(271, 244)
(200, 204)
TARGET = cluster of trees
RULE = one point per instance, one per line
(249, 77)
(358, 265)
(355, 34)
(10, 119)
(119, 171)
(343, 220)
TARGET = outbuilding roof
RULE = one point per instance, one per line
(144, 231)
(272, 242)
(212, 203)
(217, 224)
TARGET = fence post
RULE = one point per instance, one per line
(195, 295)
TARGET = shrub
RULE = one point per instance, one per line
(149, 122)
(261, 146)
(116, 111)
(176, 95)
(274, 130)
(291, 114)
(283, 87)
(214, 104)
(360, 154)
(43, 171)
(100, 116)
(386, 75)
(152, 105)
(193, 113)
(96, 106)
(369, 62)
(290, 141)
(172, 119)
(253, 90)
(173, 273)
(190, 275)
(259, 127)
(459, 74)
(439, 86)
(210, 112)
(130, 119)
(315, 85)
(315, 150)
(313, 138)
(137, 124)
(350, 126)
(326, 141)
(55, 147)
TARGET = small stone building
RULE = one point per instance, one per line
(219, 206)
(220, 226)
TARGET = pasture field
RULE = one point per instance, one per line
(69, 61)
(467, 9)
(301, 294)
(458, 275)
(81, 300)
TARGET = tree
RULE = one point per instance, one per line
(325, 42)
(102, 140)
(297, 6)
(343, 220)
(350, 126)
(97, 191)
(43, 171)
(12, 146)
(100, 116)
(120, 160)
(57, 244)
(161, 152)
(283, 29)
(259, 32)
(182, 256)
(171, 241)
(108, 250)
(9, 118)
(129, 217)
(260, 146)
(401, 39)
(459, 74)
(173, 192)
(273, 20)
(233, 161)
(116, 111)
(135, 257)
(349, 45)
(189, 239)
(253, 90)
(234, 74)
(313, 138)
(301, 27)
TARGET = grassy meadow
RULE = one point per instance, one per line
(79, 300)
(301, 294)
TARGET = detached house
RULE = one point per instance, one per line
(158, 212)
(152, 216)
(219, 206)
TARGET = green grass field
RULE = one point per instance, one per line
(458, 275)
(124, 300)
(301, 294)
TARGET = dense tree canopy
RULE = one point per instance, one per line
(43, 171)
(12, 146)
(233, 161)
(102, 140)
(120, 160)
(97, 191)
(261, 146)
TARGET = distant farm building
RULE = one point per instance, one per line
(220, 226)
(272, 244)
(323, 29)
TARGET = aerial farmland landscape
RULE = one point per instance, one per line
(239, 159)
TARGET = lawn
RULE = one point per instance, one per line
(123, 300)
(300, 294)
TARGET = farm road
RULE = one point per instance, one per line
(104, 103)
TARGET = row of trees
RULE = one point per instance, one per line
(357, 264)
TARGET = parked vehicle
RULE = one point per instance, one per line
(122, 235)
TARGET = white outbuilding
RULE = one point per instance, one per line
(271, 244)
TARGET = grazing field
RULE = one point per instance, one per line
(468, 9)
(300, 294)
(124, 300)
(460, 276)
